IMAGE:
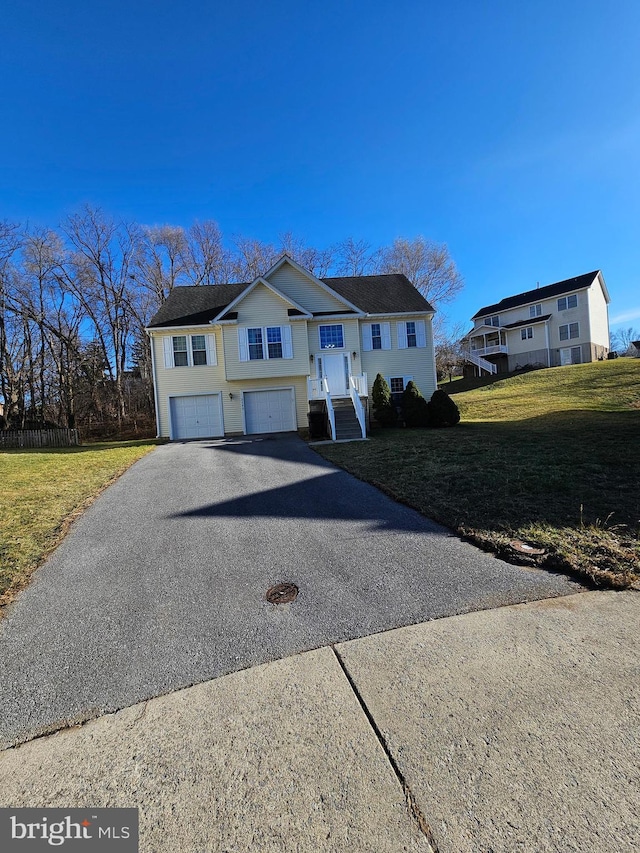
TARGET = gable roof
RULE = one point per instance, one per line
(195, 304)
(372, 294)
(380, 294)
(228, 312)
(549, 290)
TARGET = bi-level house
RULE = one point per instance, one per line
(562, 323)
(258, 357)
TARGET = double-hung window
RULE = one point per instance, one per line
(331, 337)
(566, 302)
(190, 350)
(274, 341)
(258, 343)
(376, 336)
(411, 334)
(198, 349)
(254, 337)
(535, 310)
(526, 333)
(180, 355)
(569, 330)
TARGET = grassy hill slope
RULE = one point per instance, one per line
(551, 457)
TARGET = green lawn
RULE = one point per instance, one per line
(551, 457)
(42, 490)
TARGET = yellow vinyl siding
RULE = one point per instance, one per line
(304, 290)
(176, 381)
(233, 420)
(417, 362)
(263, 308)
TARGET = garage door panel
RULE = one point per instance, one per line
(269, 411)
(197, 416)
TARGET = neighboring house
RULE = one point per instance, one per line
(562, 323)
(259, 357)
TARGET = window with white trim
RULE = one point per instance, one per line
(376, 336)
(258, 343)
(198, 349)
(274, 341)
(526, 333)
(492, 321)
(180, 355)
(411, 334)
(566, 302)
(331, 337)
(190, 350)
(535, 310)
(569, 330)
(254, 337)
(397, 384)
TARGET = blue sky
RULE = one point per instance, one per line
(509, 131)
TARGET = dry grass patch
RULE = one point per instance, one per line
(551, 458)
(42, 491)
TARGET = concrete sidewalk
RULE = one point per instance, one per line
(516, 729)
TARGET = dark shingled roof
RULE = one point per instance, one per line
(372, 294)
(529, 322)
(549, 290)
(380, 294)
(189, 306)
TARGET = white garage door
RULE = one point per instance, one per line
(269, 411)
(196, 417)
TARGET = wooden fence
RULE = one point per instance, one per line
(39, 438)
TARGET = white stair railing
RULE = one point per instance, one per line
(357, 405)
(480, 362)
(330, 410)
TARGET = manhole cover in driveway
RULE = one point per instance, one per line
(282, 593)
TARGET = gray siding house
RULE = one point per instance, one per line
(562, 323)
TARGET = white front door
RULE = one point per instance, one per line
(336, 370)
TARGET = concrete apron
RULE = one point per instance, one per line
(509, 729)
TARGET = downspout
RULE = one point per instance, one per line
(155, 382)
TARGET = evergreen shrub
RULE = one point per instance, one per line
(415, 409)
(383, 409)
(443, 412)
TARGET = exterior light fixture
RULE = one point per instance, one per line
(230, 395)
(355, 354)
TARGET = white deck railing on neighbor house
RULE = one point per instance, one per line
(357, 405)
(494, 350)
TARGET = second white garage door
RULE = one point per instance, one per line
(269, 411)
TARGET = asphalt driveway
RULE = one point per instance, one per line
(161, 583)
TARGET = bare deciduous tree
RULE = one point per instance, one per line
(356, 257)
(427, 265)
(622, 341)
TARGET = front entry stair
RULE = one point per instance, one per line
(347, 424)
